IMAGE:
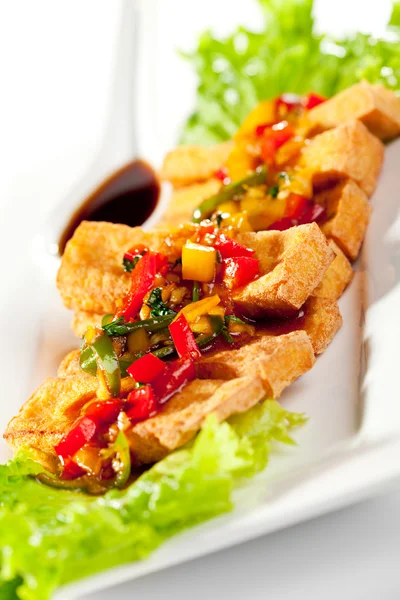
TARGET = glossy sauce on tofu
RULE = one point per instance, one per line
(128, 197)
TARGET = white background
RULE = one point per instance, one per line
(55, 75)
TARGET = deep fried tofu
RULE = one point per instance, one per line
(377, 107)
(292, 265)
(185, 200)
(82, 319)
(183, 415)
(190, 164)
(322, 321)
(278, 361)
(349, 151)
(91, 276)
(52, 410)
(337, 277)
(69, 364)
(348, 213)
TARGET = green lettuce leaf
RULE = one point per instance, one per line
(237, 71)
(50, 536)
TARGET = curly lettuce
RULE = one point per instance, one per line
(50, 537)
(237, 71)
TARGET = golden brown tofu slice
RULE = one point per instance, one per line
(377, 107)
(183, 415)
(82, 319)
(190, 164)
(337, 277)
(292, 265)
(51, 411)
(91, 276)
(348, 213)
(69, 364)
(321, 322)
(349, 151)
(278, 361)
(185, 200)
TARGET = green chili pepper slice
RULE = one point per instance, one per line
(87, 360)
(164, 351)
(120, 327)
(107, 361)
(120, 448)
(227, 192)
(107, 319)
(196, 291)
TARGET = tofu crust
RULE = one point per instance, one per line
(337, 277)
(377, 107)
(349, 151)
(184, 200)
(322, 322)
(183, 415)
(278, 361)
(351, 214)
(185, 165)
(91, 276)
(292, 265)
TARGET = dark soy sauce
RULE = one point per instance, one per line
(128, 196)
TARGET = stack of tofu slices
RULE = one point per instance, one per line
(303, 268)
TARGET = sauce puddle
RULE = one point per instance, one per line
(129, 196)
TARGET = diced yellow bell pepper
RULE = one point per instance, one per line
(239, 162)
(198, 262)
(263, 113)
(201, 307)
(202, 325)
(262, 210)
(239, 222)
(230, 207)
(138, 341)
(301, 183)
(217, 311)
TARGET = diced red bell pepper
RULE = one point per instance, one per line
(288, 101)
(71, 470)
(260, 129)
(104, 412)
(228, 248)
(295, 206)
(176, 375)
(183, 338)
(136, 251)
(313, 212)
(142, 280)
(146, 368)
(80, 434)
(223, 175)
(239, 271)
(313, 100)
(98, 415)
(282, 224)
(142, 404)
(273, 138)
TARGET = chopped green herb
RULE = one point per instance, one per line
(158, 307)
(273, 191)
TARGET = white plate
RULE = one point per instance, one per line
(349, 449)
